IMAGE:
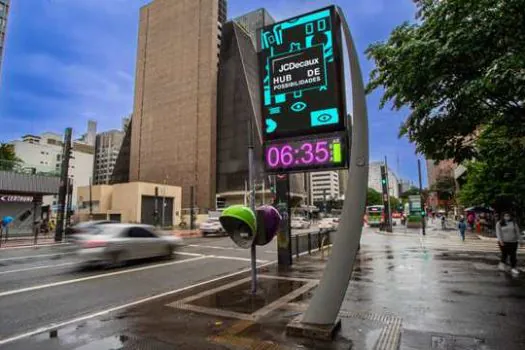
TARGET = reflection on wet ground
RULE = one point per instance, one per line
(446, 299)
(240, 299)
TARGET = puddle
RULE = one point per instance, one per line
(240, 299)
(110, 343)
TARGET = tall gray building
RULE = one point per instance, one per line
(107, 148)
(238, 106)
(4, 12)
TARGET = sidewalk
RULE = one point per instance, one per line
(400, 296)
(25, 242)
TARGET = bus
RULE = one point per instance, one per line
(375, 215)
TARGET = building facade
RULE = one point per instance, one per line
(107, 148)
(132, 202)
(174, 127)
(324, 185)
(4, 12)
(42, 154)
(374, 179)
(444, 168)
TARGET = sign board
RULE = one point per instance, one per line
(303, 93)
(415, 202)
(15, 199)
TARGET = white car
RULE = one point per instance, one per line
(300, 223)
(118, 243)
(327, 224)
(211, 226)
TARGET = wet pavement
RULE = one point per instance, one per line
(406, 292)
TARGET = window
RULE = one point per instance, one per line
(58, 157)
(42, 152)
(139, 232)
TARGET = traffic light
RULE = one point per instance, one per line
(423, 213)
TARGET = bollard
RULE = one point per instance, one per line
(309, 243)
(297, 250)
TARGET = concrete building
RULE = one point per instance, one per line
(374, 179)
(174, 127)
(107, 148)
(405, 185)
(42, 154)
(324, 185)
(343, 181)
(4, 12)
(444, 168)
(132, 202)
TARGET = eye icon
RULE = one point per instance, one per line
(298, 106)
(323, 118)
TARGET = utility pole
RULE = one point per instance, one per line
(384, 192)
(62, 191)
(90, 198)
(251, 188)
(389, 227)
(191, 208)
(421, 198)
(69, 204)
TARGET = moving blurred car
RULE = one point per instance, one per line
(118, 243)
(212, 225)
(86, 226)
(300, 223)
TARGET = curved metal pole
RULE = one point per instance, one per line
(325, 304)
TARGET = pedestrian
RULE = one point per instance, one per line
(462, 226)
(4, 227)
(470, 219)
(508, 234)
(443, 223)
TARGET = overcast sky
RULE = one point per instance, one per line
(67, 61)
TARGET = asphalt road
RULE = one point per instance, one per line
(44, 286)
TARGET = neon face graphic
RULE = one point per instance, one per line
(302, 76)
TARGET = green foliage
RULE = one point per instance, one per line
(413, 191)
(460, 68)
(394, 203)
(373, 197)
(8, 158)
(445, 187)
(497, 177)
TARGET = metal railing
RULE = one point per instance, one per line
(310, 242)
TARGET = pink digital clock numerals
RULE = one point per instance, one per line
(299, 153)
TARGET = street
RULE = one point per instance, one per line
(45, 286)
(42, 288)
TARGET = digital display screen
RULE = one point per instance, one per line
(311, 153)
(302, 76)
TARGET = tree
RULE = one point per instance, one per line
(458, 69)
(445, 187)
(373, 197)
(497, 176)
(394, 203)
(8, 158)
(413, 191)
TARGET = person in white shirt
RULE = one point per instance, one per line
(508, 234)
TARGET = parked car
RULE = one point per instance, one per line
(300, 223)
(211, 226)
(117, 243)
(327, 225)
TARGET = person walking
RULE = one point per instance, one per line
(462, 227)
(508, 234)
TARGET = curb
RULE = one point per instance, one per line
(188, 234)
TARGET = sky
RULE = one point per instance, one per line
(68, 61)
